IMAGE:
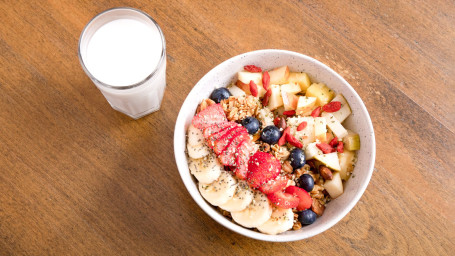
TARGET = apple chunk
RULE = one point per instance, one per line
(334, 186)
(275, 100)
(305, 105)
(300, 78)
(335, 125)
(320, 129)
(345, 109)
(323, 93)
(279, 75)
(291, 88)
(289, 100)
(330, 160)
(246, 88)
(347, 159)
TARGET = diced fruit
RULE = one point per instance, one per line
(244, 150)
(316, 112)
(245, 77)
(320, 129)
(345, 110)
(329, 136)
(283, 200)
(330, 160)
(275, 100)
(346, 163)
(332, 106)
(262, 167)
(305, 105)
(279, 75)
(228, 156)
(323, 93)
(335, 126)
(306, 182)
(253, 89)
(216, 128)
(352, 141)
(307, 217)
(289, 100)
(213, 114)
(291, 88)
(334, 186)
(252, 68)
(312, 150)
(236, 91)
(325, 148)
(333, 142)
(270, 134)
(300, 78)
(297, 158)
(274, 185)
(221, 143)
(214, 137)
(266, 80)
(340, 147)
(251, 124)
(305, 200)
(220, 94)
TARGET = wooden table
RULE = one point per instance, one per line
(78, 178)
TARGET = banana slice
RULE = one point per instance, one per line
(280, 221)
(256, 213)
(219, 191)
(206, 169)
(195, 136)
(242, 198)
(197, 151)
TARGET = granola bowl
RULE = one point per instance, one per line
(359, 120)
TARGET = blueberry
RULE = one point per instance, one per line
(270, 134)
(251, 124)
(220, 94)
(297, 158)
(306, 182)
(307, 217)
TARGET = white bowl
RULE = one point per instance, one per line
(359, 121)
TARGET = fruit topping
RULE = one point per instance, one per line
(212, 115)
(301, 126)
(293, 141)
(340, 147)
(244, 151)
(282, 140)
(274, 185)
(228, 156)
(266, 81)
(306, 182)
(220, 94)
(316, 112)
(217, 128)
(212, 139)
(283, 200)
(289, 113)
(253, 89)
(265, 100)
(262, 167)
(252, 68)
(334, 142)
(297, 158)
(305, 199)
(224, 141)
(325, 148)
(270, 134)
(251, 124)
(307, 217)
(331, 107)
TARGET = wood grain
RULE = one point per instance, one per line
(78, 178)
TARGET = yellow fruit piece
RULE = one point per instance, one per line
(323, 93)
(300, 78)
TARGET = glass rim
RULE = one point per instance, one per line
(123, 87)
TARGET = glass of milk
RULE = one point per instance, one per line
(123, 51)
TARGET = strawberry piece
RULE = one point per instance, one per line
(283, 200)
(223, 142)
(282, 140)
(293, 141)
(301, 126)
(274, 185)
(253, 88)
(262, 167)
(212, 115)
(325, 148)
(305, 199)
(276, 121)
(228, 156)
(244, 151)
(216, 128)
(333, 106)
(289, 113)
(266, 80)
(212, 139)
(334, 142)
(340, 147)
(252, 68)
(265, 100)
(316, 112)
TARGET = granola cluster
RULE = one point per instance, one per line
(237, 108)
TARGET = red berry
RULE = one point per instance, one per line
(340, 147)
(283, 200)
(212, 115)
(222, 142)
(265, 100)
(266, 80)
(333, 106)
(274, 185)
(289, 113)
(244, 151)
(301, 126)
(262, 167)
(253, 88)
(316, 112)
(305, 200)
(324, 147)
(252, 68)
(282, 140)
(334, 142)
(293, 141)
(228, 156)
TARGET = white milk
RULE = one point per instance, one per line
(122, 51)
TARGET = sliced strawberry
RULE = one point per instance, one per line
(212, 139)
(262, 167)
(274, 185)
(283, 200)
(228, 156)
(221, 143)
(213, 114)
(244, 151)
(305, 200)
(217, 128)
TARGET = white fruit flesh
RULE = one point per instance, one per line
(346, 159)
(280, 221)
(292, 88)
(330, 160)
(323, 93)
(275, 100)
(206, 169)
(236, 91)
(245, 77)
(320, 129)
(306, 136)
(302, 79)
(289, 100)
(305, 105)
(195, 136)
(219, 191)
(345, 109)
(312, 150)
(279, 75)
(242, 198)
(256, 213)
(334, 186)
(335, 126)
(198, 151)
